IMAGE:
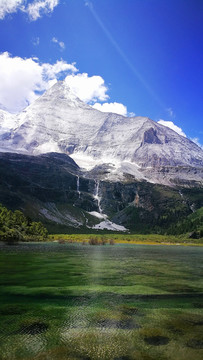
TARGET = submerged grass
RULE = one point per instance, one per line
(71, 302)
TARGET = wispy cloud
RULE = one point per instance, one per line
(36, 41)
(10, 6)
(34, 9)
(39, 7)
(172, 126)
(170, 112)
(59, 43)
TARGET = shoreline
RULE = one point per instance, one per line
(129, 243)
(134, 239)
(101, 240)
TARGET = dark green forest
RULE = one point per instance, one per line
(192, 224)
(15, 226)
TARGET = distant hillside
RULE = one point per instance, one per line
(51, 188)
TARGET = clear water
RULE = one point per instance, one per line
(116, 302)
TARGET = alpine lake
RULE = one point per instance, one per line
(120, 302)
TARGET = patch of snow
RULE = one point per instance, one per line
(109, 225)
(88, 162)
(98, 215)
(84, 161)
(7, 121)
(47, 147)
(117, 168)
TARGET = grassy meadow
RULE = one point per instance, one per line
(106, 238)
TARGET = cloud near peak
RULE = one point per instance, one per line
(21, 80)
(196, 141)
(114, 107)
(88, 88)
(172, 126)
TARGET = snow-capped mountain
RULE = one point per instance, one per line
(105, 143)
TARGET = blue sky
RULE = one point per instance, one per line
(141, 56)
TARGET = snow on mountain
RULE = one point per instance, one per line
(58, 121)
(8, 122)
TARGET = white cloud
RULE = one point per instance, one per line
(131, 114)
(60, 43)
(21, 79)
(39, 7)
(88, 88)
(50, 71)
(10, 6)
(112, 107)
(172, 126)
(196, 141)
(35, 9)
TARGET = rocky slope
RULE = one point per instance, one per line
(73, 167)
(108, 146)
(52, 189)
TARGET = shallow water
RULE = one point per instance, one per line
(74, 301)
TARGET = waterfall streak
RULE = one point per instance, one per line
(78, 185)
(97, 197)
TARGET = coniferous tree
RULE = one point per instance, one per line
(14, 227)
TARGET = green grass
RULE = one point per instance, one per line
(128, 238)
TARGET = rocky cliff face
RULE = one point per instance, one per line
(51, 188)
(108, 146)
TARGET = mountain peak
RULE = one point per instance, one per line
(61, 92)
(59, 121)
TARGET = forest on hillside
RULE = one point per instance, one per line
(15, 226)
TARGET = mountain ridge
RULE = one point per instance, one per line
(60, 122)
(52, 189)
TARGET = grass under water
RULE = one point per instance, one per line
(116, 302)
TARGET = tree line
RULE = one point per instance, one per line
(15, 226)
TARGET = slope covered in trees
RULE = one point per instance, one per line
(14, 226)
(192, 224)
